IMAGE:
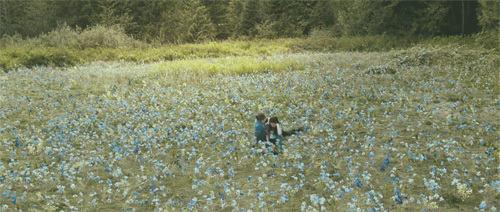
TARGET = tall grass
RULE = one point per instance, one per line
(230, 65)
(67, 47)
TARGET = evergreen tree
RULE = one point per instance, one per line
(27, 18)
(356, 17)
(292, 18)
(417, 18)
(198, 23)
(461, 17)
(217, 11)
(187, 22)
(146, 16)
(251, 16)
(170, 22)
(112, 12)
(489, 16)
(234, 17)
(199, 20)
(324, 14)
(77, 13)
(9, 13)
(432, 19)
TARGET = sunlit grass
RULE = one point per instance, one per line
(231, 65)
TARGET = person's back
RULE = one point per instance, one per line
(260, 128)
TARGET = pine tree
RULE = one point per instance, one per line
(217, 11)
(361, 17)
(27, 18)
(234, 17)
(187, 22)
(251, 16)
(200, 27)
(292, 18)
(324, 14)
(112, 12)
(76, 13)
(489, 16)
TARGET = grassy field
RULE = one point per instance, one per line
(398, 130)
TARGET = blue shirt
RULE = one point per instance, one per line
(260, 131)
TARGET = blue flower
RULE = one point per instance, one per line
(386, 163)
(398, 197)
(358, 182)
(283, 198)
(222, 196)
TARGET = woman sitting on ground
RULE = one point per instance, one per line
(276, 132)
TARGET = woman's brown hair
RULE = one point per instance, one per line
(274, 119)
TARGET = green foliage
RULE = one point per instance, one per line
(186, 22)
(251, 17)
(61, 37)
(234, 17)
(113, 13)
(488, 39)
(27, 18)
(489, 17)
(217, 11)
(14, 57)
(65, 47)
(292, 18)
(197, 21)
(324, 14)
(197, 26)
(64, 36)
(105, 37)
(358, 18)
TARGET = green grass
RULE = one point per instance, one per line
(230, 65)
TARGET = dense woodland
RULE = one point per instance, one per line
(192, 21)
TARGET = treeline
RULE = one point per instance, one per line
(193, 21)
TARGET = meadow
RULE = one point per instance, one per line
(412, 129)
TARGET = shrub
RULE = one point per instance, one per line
(322, 33)
(10, 40)
(489, 40)
(105, 37)
(62, 36)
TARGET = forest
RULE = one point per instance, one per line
(193, 21)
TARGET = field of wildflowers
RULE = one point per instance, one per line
(405, 130)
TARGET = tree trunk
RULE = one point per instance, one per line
(463, 17)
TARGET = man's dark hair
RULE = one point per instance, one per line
(260, 116)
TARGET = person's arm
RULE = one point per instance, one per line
(280, 130)
(267, 132)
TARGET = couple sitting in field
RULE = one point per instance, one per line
(271, 132)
